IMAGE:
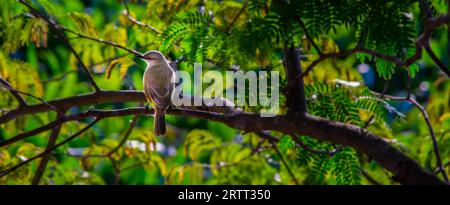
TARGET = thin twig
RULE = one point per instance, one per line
(127, 13)
(315, 151)
(274, 146)
(116, 168)
(32, 96)
(237, 16)
(369, 178)
(129, 50)
(436, 60)
(56, 28)
(437, 154)
(13, 92)
(386, 85)
(307, 35)
(436, 170)
(74, 117)
(125, 136)
(430, 23)
(59, 77)
(433, 137)
(9, 170)
(45, 158)
(299, 143)
(139, 23)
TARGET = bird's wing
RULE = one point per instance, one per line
(160, 96)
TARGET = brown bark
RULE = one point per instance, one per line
(405, 169)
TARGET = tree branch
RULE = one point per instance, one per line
(125, 136)
(314, 151)
(30, 95)
(369, 178)
(44, 161)
(436, 60)
(307, 35)
(56, 28)
(13, 92)
(433, 138)
(273, 140)
(437, 154)
(139, 23)
(97, 98)
(406, 169)
(274, 146)
(75, 117)
(237, 16)
(430, 25)
(134, 52)
(9, 170)
(295, 93)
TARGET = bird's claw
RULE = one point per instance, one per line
(147, 108)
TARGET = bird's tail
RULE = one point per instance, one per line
(159, 125)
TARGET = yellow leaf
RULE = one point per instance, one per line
(198, 142)
(84, 23)
(4, 156)
(123, 69)
(444, 117)
(110, 67)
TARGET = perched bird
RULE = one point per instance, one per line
(159, 81)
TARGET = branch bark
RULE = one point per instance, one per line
(295, 92)
(421, 41)
(406, 170)
(437, 154)
(45, 158)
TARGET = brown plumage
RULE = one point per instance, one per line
(158, 83)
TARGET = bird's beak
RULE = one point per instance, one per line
(146, 58)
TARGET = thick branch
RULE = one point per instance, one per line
(407, 171)
(295, 92)
(98, 98)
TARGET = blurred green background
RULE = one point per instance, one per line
(221, 36)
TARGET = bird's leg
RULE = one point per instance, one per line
(147, 107)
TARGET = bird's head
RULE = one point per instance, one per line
(153, 56)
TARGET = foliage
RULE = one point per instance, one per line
(222, 36)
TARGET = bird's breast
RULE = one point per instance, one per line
(158, 75)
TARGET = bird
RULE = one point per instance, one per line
(159, 82)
